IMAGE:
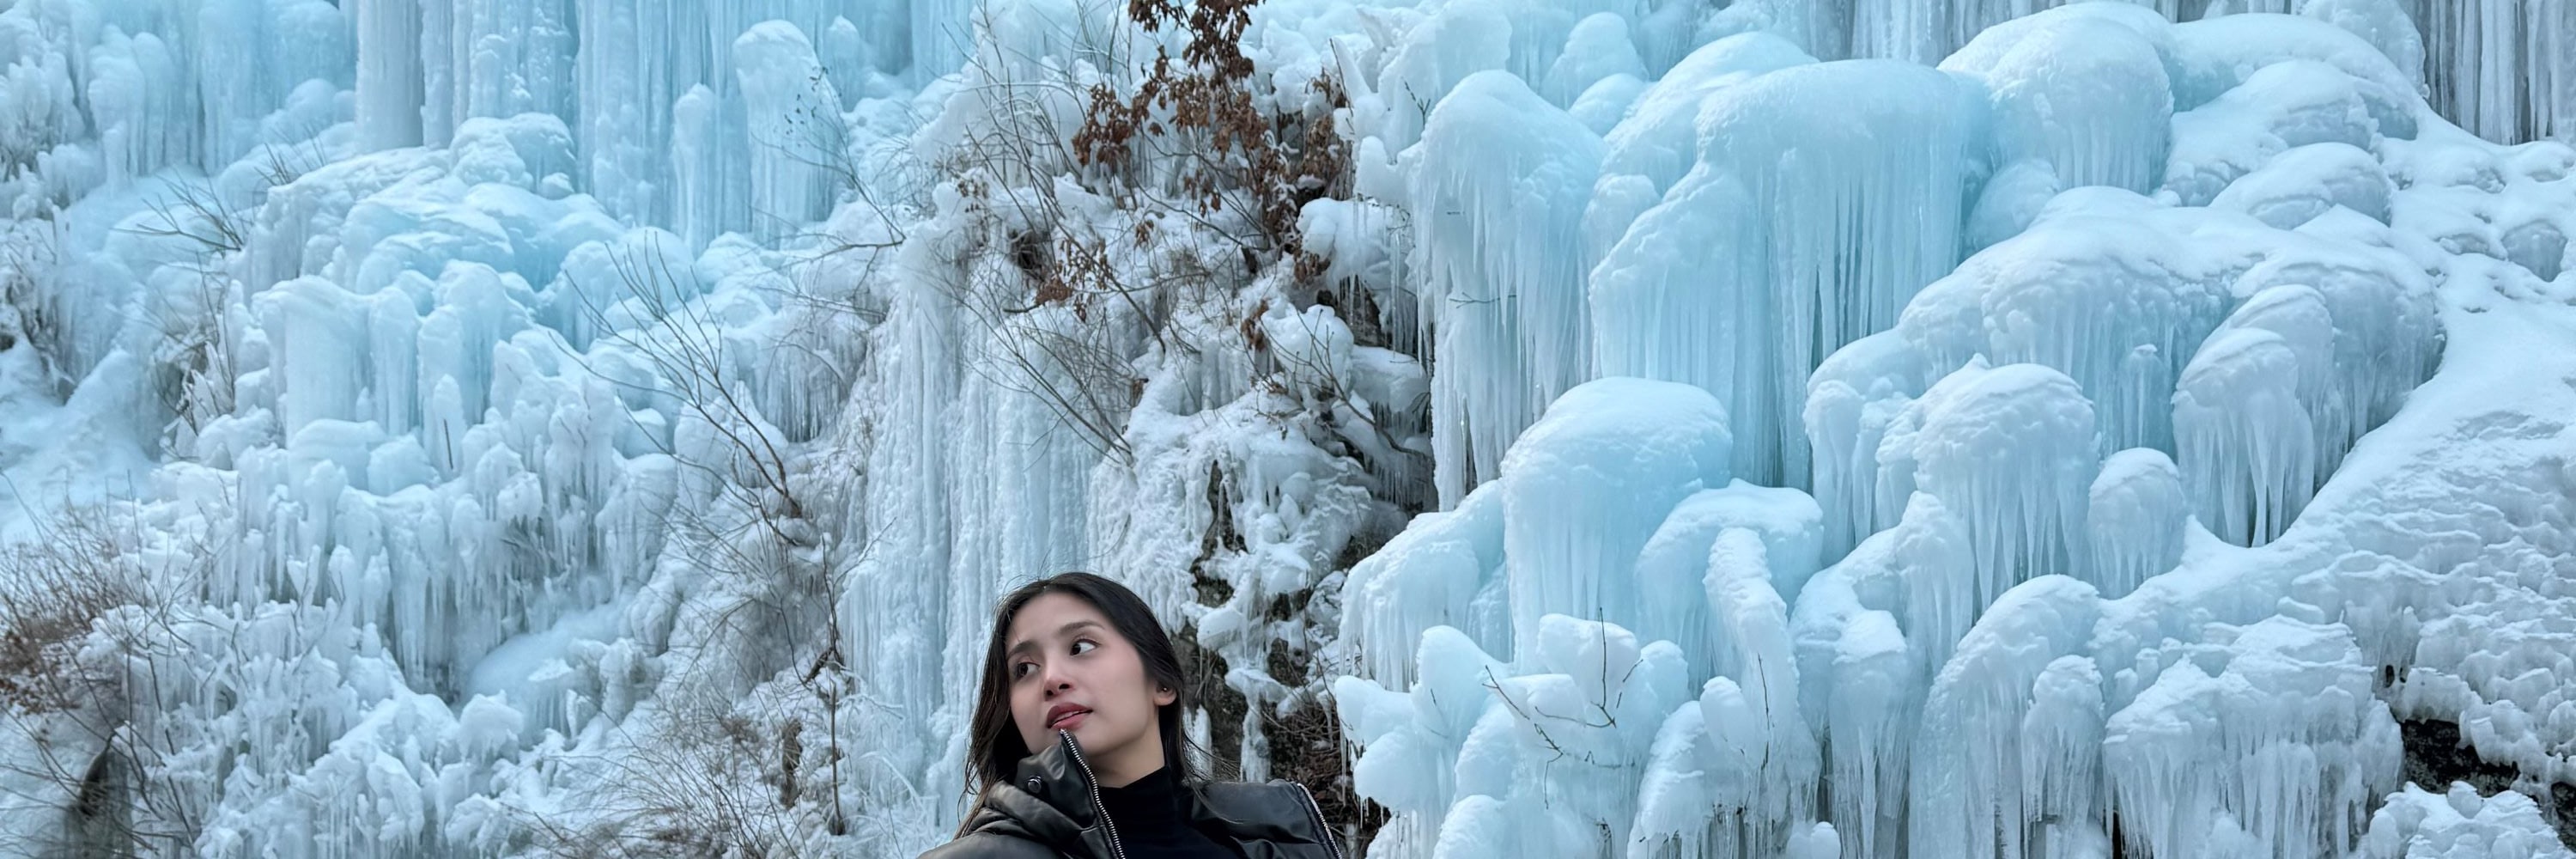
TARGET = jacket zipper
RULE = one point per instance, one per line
(1322, 827)
(1092, 781)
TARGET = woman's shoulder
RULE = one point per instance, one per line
(1266, 809)
(1278, 793)
(990, 845)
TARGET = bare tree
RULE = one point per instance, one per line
(686, 351)
(78, 586)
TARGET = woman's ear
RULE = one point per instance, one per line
(1164, 695)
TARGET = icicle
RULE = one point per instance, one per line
(1851, 401)
(1434, 58)
(2087, 95)
(2040, 297)
(1427, 576)
(1875, 688)
(2010, 451)
(796, 129)
(393, 357)
(2386, 336)
(1752, 644)
(1675, 803)
(1501, 291)
(1582, 491)
(2385, 24)
(1660, 140)
(2286, 737)
(1540, 33)
(1862, 677)
(2136, 519)
(1681, 298)
(1852, 231)
(1601, 702)
(698, 193)
(497, 58)
(1973, 786)
(934, 26)
(2550, 101)
(1818, 28)
(389, 79)
(1673, 565)
(2482, 53)
(618, 96)
(1365, 252)
(456, 340)
(140, 105)
(321, 354)
(2242, 438)
(2300, 315)
(2061, 760)
(2240, 7)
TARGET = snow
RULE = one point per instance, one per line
(2303, 183)
(1865, 429)
(2087, 96)
(2459, 824)
(1597, 48)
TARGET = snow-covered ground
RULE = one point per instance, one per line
(1868, 428)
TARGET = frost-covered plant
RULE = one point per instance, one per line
(1204, 110)
(31, 309)
(87, 622)
(684, 346)
(50, 592)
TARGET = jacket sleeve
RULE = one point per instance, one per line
(1280, 811)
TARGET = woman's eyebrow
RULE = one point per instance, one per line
(1028, 644)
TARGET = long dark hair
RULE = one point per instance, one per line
(993, 745)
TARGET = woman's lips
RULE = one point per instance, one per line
(1069, 721)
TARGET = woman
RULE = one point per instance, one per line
(1077, 745)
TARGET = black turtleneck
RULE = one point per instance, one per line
(1152, 818)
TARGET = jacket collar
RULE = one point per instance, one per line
(1050, 799)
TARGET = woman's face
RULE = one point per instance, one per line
(1070, 670)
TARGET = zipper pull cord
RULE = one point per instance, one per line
(1092, 781)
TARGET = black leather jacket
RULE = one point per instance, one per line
(1051, 810)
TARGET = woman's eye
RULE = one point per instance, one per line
(1081, 645)
(1022, 669)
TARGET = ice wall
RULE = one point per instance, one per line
(1834, 240)
(444, 431)
(2498, 68)
(1860, 457)
(2172, 281)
